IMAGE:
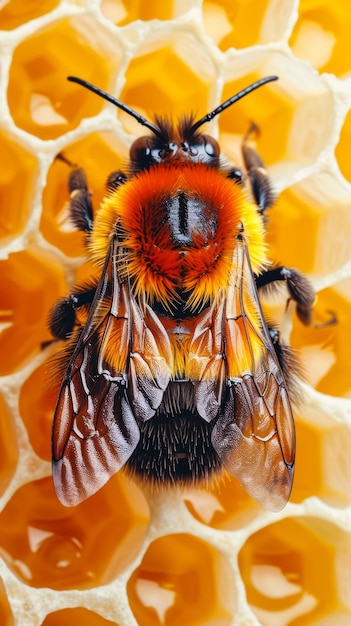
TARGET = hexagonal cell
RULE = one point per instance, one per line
(32, 281)
(323, 458)
(99, 155)
(182, 580)
(325, 350)
(168, 76)
(225, 506)
(296, 571)
(228, 24)
(309, 225)
(16, 12)
(123, 12)
(294, 115)
(38, 397)
(72, 617)
(8, 446)
(48, 545)
(342, 151)
(17, 173)
(6, 616)
(41, 100)
(322, 35)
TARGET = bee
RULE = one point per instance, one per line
(171, 370)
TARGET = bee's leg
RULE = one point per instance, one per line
(62, 317)
(260, 184)
(288, 362)
(80, 208)
(115, 180)
(299, 288)
(237, 175)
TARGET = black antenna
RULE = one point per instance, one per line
(117, 103)
(228, 103)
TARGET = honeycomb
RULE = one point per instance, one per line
(199, 557)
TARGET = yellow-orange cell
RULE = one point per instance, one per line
(293, 122)
(182, 580)
(342, 151)
(260, 107)
(6, 616)
(72, 617)
(228, 24)
(309, 227)
(37, 402)
(40, 98)
(323, 458)
(322, 35)
(48, 545)
(31, 281)
(17, 172)
(224, 506)
(325, 349)
(13, 13)
(292, 573)
(98, 155)
(170, 78)
(8, 446)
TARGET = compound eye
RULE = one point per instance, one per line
(211, 146)
(140, 149)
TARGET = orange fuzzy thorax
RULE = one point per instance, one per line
(156, 265)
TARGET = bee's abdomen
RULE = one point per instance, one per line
(175, 449)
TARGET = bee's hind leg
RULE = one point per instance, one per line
(289, 364)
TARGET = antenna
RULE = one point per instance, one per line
(144, 122)
(232, 100)
(117, 103)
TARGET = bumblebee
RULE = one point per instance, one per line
(171, 370)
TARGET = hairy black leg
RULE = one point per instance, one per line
(288, 362)
(62, 317)
(259, 180)
(80, 208)
(299, 288)
(115, 180)
(237, 175)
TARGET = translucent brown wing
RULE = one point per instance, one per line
(242, 389)
(95, 427)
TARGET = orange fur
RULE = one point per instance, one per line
(155, 266)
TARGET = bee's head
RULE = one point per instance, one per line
(167, 143)
(174, 144)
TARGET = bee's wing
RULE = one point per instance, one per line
(254, 437)
(95, 429)
(254, 434)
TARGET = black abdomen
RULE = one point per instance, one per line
(174, 449)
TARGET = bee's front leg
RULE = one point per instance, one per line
(80, 207)
(62, 318)
(260, 183)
